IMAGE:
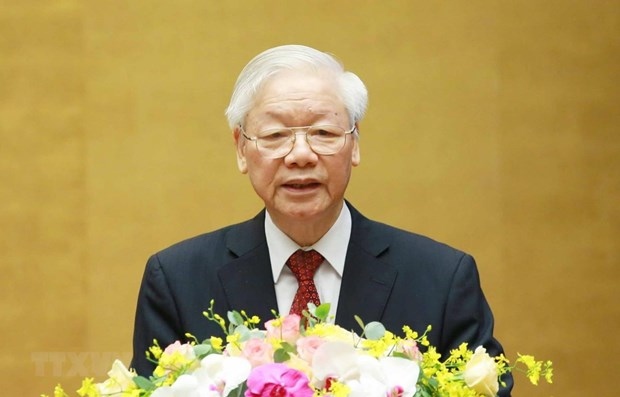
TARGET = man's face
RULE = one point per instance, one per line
(302, 185)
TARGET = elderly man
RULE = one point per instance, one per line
(295, 115)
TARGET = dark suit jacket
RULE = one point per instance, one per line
(390, 275)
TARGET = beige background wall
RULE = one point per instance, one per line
(493, 126)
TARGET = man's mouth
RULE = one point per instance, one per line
(302, 186)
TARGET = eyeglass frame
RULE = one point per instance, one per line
(255, 139)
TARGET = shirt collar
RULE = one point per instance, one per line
(333, 245)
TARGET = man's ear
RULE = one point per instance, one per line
(240, 148)
(355, 154)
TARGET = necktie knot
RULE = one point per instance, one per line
(304, 264)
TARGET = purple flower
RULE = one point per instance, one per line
(277, 380)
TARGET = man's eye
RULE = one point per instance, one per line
(324, 133)
(275, 136)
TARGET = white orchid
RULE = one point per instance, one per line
(386, 376)
(365, 375)
(217, 376)
(336, 360)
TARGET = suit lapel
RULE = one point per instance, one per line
(248, 284)
(367, 280)
(247, 280)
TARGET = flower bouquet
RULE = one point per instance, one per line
(308, 356)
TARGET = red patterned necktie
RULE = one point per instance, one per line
(304, 265)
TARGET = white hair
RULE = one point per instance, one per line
(268, 63)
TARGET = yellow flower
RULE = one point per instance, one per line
(220, 320)
(338, 389)
(216, 343)
(460, 354)
(534, 368)
(430, 362)
(277, 322)
(88, 389)
(175, 360)
(431, 357)
(233, 339)
(155, 350)
(409, 333)
(455, 389)
(330, 332)
(59, 392)
(502, 360)
(548, 371)
(380, 347)
(424, 341)
(160, 371)
(275, 343)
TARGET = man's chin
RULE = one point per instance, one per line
(308, 211)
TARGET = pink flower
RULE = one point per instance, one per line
(285, 328)
(186, 350)
(257, 352)
(277, 380)
(410, 349)
(307, 345)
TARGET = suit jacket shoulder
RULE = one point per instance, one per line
(215, 248)
(403, 249)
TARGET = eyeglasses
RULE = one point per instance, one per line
(278, 142)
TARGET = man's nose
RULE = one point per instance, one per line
(302, 152)
(301, 138)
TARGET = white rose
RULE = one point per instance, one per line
(481, 373)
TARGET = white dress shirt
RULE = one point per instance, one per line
(333, 246)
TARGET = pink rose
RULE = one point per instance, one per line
(257, 352)
(186, 350)
(410, 349)
(307, 345)
(277, 380)
(285, 328)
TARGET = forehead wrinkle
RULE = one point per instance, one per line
(308, 117)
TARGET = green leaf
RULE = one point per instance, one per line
(288, 347)
(243, 332)
(374, 330)
(202, 350)
(256, 334)
(143, 383)
(359, 321)
(322, 312)
(281, 355)
(422, 392)
(239, 391)
(235, 318)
